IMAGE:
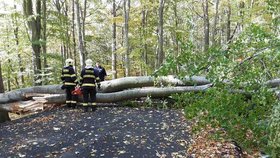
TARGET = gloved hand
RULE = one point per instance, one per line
(98, 86)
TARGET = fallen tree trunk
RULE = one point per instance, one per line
(148, 81)
(116, 90)
(134, 93)
(24, 93)
(106, 86)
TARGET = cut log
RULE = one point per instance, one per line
(24, 93)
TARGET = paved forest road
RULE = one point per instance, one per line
(108, 132)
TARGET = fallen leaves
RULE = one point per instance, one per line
(205, 146)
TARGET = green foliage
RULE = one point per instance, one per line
(274, 127)
(243, 119)
(248, 62)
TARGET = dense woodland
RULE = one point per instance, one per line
(225, 40)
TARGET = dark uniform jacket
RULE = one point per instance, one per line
(89, 76)
(101, 72)
(68, 76)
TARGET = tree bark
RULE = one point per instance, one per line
(2, 89)
(114, 42)
(34, 25)
(80, 35)
(228, 22)
(126, 7)
(73, 34)
(215, 22)
(160, 53)
(83, 15)
(4, 115)
(144, 40)
(206, 24)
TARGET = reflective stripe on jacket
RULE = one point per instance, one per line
(68, 76)
(89, 77)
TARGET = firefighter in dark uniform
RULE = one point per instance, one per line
(89, 79)
(69, 79)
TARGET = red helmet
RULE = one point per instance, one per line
(77, 91)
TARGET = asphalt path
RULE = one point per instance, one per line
(107, 132)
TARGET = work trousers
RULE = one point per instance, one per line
(71, 100)
(89, 95)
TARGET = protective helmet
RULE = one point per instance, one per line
(69, 62)
(89, 62)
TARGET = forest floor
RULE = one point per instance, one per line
(107, 132)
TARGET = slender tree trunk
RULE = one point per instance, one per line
(206, 24)
(68, 36)
(19, 56)
(126, 5)
(228, 22)
(176, 41)
(144, 42)
(80, 35)
(2, 89)
(160, 53)
(83, 14)
(73, 33)
(215, 22)
(44, 37)
(114, 43)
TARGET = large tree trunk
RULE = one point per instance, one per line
(114, 43)
(34, 25)
(126, 7)
(4, 116)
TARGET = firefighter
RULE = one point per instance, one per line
(89, 79)
(69, 79)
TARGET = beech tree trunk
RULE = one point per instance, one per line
(113, 91)
(80, 35)
(160, 53)
(2, 89)
(215, 22)
(206, 24)
(4, 115)
(114, 43)
(126, 7)
(34, 25)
